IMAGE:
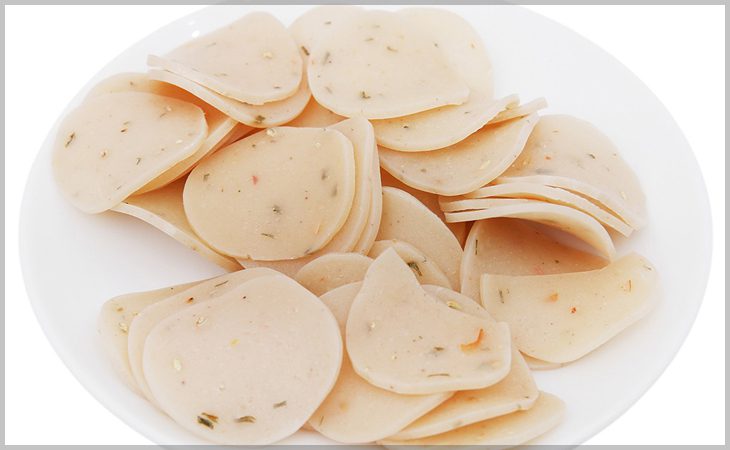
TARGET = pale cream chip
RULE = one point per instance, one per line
(221, 128)
(425, 270)
(406, 219)
(517, 247)
(550, 194)
(569, 220)
(442, 350)
(116, 317)
(431, 201)
(517, 391)
(521, 110)
(249, 367)
(284, 193)
(440, 127)
(356, 411)
(360, 133)
(459, 41)
(464, 166)
(163, 209)
(500, 432)
(375, 214)
(317, 22)
(572, 154)
(562, 317)
(315, 115)
(366, 66)
(333, 270)
(152, 315)
(114, 144)
(253, 60)
(257, 116)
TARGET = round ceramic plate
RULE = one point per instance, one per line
(73, 262)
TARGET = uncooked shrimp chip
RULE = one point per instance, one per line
(149, 317)
(440, 127)
(221, 128)
(356, 411)
(379, 65)
(517, 247)
(333, 270)
(464, 166)
(252, 60)
(517, 391)
(163, 209)
(572, 154)
(425, 270)
(567, 219)
(401, 339)
(520, 190)
(562, 317)
(249, 367)
(502, 432)
(258, 116)
(115, 318)
(284, 193)
(406, 219)
(114, 144)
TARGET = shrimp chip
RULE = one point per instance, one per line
(401, 339)
(253, 60)
(365, 66)
(464, 166)
(113, 145)
(561, 317)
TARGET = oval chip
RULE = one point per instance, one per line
(253, 60)
(562, 317)
(221, 128)
(112, 145)
(375, 213)
(149, 317)
(464, 166)
(257, 116)
(356, 411)
(401, 339)
(249, 367)
(366, 66)
(284, 193)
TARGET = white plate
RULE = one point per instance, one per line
(73, 262)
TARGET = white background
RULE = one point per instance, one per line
(678, 51)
